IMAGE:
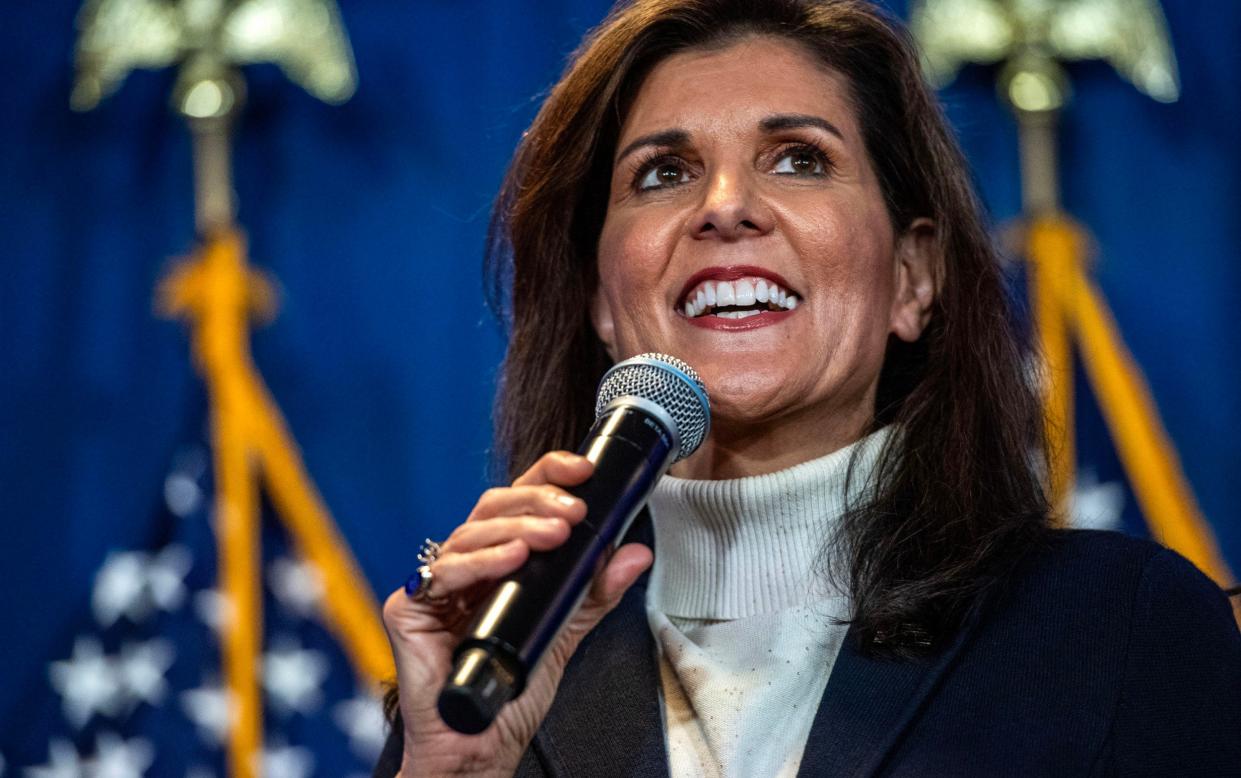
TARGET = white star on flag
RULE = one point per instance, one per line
(87, 682)
(166, 576)
(212, 709)
(213, 609)
(182, 494)
(141, 667)
(298, 585)
(362, 719)
(134, 584)
(117, 758)
(1096, 505)
(291, 677)
(286, 762)
(119, 587)
(63, 762)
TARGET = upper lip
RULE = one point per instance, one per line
(731, 273)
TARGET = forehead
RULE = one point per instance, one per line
(731, 88)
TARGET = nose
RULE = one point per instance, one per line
(730, 209)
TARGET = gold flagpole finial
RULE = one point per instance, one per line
(1131, 35)
(304, 37)
(221, 295)
(210, 40)
(1031, 38)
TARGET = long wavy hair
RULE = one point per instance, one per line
(957, 494)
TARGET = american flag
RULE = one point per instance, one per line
(137, 688)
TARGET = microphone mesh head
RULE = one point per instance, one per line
(669, 383)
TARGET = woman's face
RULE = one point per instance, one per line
(746, 233)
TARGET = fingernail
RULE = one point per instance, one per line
(567, 500)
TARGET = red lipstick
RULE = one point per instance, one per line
(763, 319)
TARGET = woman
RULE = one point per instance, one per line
(855, 574)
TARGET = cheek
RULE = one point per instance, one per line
(852, 267)
(632, 258)
(848, 258)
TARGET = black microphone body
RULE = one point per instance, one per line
(631, 447)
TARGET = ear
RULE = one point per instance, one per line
(605, 325)
(918, 270)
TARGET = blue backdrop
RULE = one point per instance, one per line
(371, 216)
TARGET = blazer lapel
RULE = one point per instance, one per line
(867, 705)
(606, 718)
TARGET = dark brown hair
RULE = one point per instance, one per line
(957, 494)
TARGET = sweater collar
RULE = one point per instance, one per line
(740, 547)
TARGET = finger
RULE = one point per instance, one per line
(453, 573)
(540, 533)
(528, 500)
(557, 467)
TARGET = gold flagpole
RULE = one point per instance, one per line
(219, 294)
(1031, 40)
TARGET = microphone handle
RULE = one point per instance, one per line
(630, 449)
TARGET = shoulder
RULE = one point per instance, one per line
(1108, 585)
(1117, 580)
(1098, 654)
(1085, 549)
(1135, 634)
(1115, 567)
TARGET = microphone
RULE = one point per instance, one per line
(650, 411)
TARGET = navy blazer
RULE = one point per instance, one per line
(1103, 655)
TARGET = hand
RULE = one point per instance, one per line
(534, 514)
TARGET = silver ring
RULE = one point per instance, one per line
(429, 552)
(418, 585)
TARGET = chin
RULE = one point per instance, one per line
(744, 396)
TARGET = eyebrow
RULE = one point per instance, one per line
(789, 121)
(661, 138)
(784, 121)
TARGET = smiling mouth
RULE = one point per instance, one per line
(738, 298)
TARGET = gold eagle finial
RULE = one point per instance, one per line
(304, 37)
(1033, 35)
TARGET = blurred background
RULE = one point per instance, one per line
(369, 217)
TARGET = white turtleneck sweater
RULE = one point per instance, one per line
(741, 614)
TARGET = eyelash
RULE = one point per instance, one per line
(817, 152)
(651, 161)
(657, 159)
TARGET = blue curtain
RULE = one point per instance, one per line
(371, 216)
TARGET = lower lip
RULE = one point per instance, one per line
(765, 319)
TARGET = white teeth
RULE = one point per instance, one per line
(744, 292)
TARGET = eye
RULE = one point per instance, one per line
(802, 161)
(660, 173)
